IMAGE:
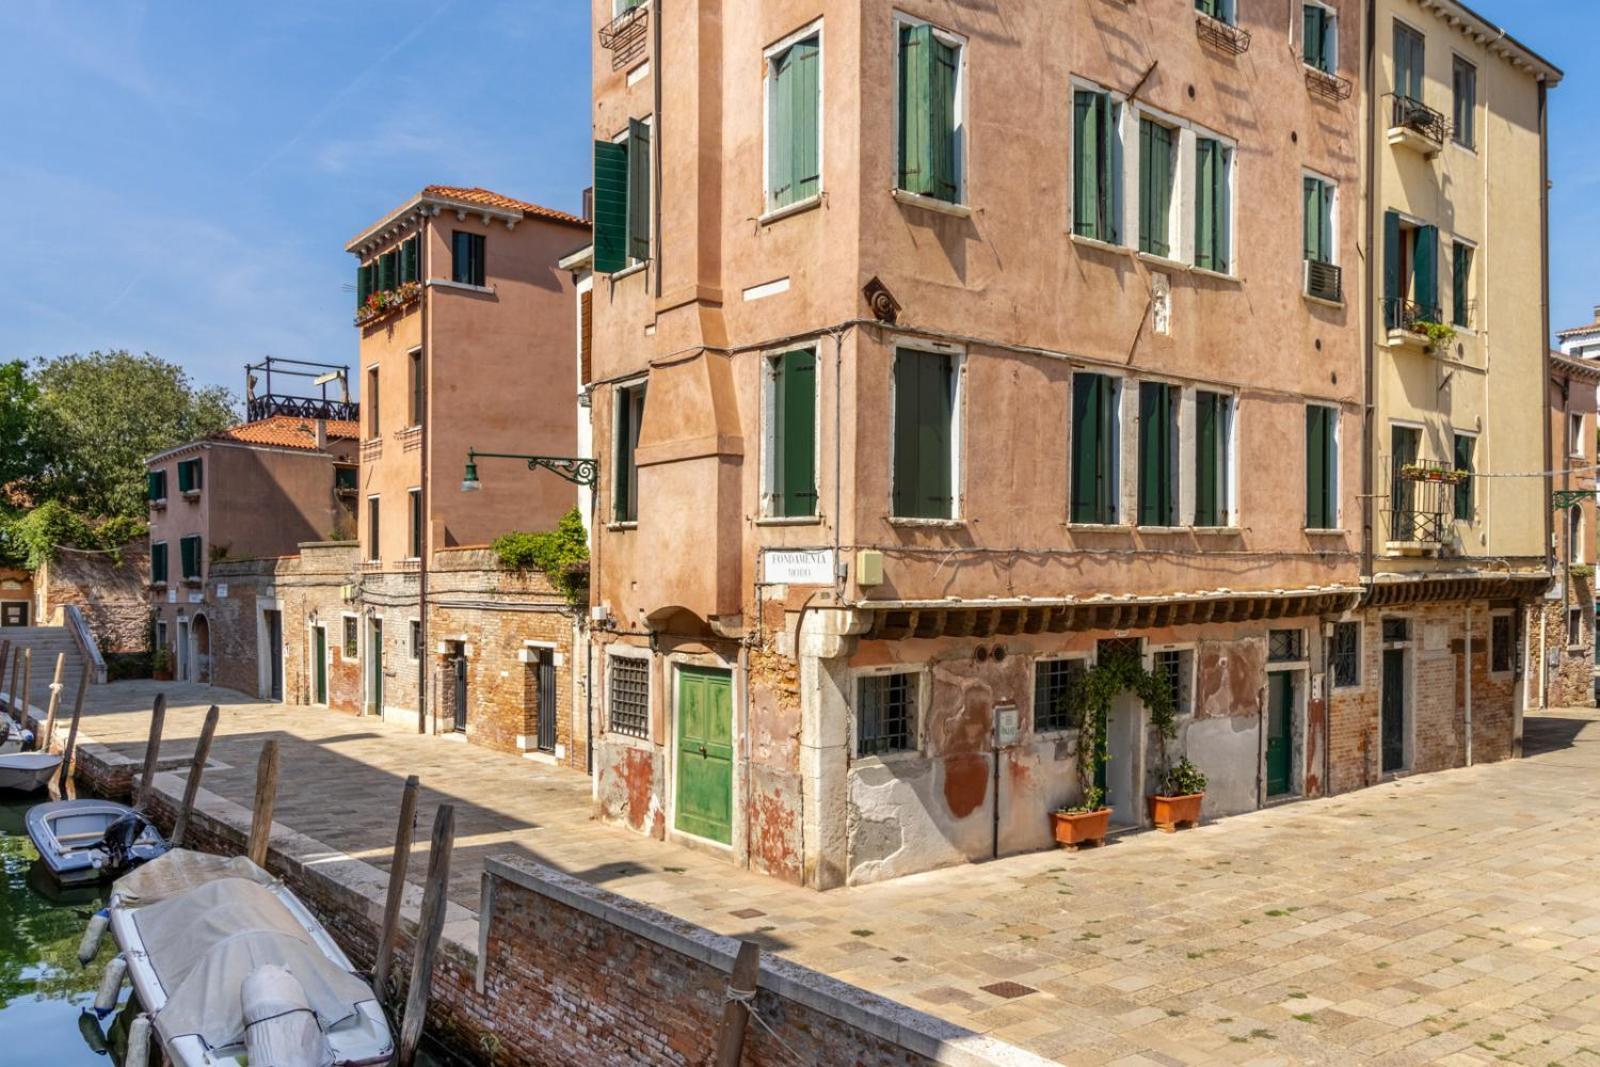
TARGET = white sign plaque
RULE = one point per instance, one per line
(1007, 725)
(797, 566)
(222, 590)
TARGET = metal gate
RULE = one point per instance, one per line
(545, 686)
(460, 665)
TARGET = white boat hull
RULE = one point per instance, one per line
(28, 772)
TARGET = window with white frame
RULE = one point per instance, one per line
(1322, 467)
(351, 643)
(1575, 546)
(930, 110)
(1096, 165)
(1213, 204)
(1055, 681)
(1175, 666)
(886, 713)
(1158, 163)
(927, 434)
(627, 422)
(1574, 627)
(794, 119)
(1575, 429)
(1096, 433)
(1323, 278)
(1319, 47)
(790, 460)
(1158, 454)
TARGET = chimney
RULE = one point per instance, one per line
(322, 435)
(1597, 313)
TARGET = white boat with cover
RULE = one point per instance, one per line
(212, 944)
(28, 772)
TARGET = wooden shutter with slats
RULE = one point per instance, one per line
(610, 207)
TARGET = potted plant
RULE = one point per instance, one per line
(161, 665)
(1178, 800)
(1088, 703)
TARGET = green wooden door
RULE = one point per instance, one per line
(321, 654)
(1394, 710)
(705, 753)
(1280, 731)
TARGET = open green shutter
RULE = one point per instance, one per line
(907, 416)
(1393, 270)
(805, 168)
(1155, 187)
(361, 284)
(411, 260)
(942, 121)
(780, 131)
(610, 207)
(1312, 200)
(1155, 454)
(1426, 267)
(1206, 465)
(796, 412)
(638, 190)
(1085, 164)
(1316, 50)
(1205, 206)
(916, 109)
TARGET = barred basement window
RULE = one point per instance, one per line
(1053, 683)
(416, 639)
(350, 649)
(1500, 644)
(629, 686)
(1175, 665)
(1286, 646)
(1346, 655)
(886, 713)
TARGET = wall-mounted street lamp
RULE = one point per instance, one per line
(575, 470)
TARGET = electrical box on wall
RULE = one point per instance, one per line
(869, 567)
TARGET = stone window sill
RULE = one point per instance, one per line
(799, 207)
(790, 520)
(1308, 298)
(948, 524)
(932, 203)
(446, 283)
(1095, 242)
(1101, 527)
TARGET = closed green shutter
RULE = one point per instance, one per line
(1207, 469)
(1321, 508)
(610, 207)
(1426, 269)
(1211, 205)
(362, 287)
(795, 434)
(155, 485)
(1312, 201)
(638, 190)
(410, 259)
(1463, 449)
(1157, 496)
(916, 109)
(924, 421)
(388, 270)
(461, 257)
(1088, 115)
(190, 548)
(1093, 449)
(942, 121)
(158, 562)
(1393, 270)
(1461, 284)
(1155, 187)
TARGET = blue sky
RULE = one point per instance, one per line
(182, 176)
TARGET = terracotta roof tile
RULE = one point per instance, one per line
(475, 195)
(287, 431)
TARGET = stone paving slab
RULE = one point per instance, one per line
(1449, 918)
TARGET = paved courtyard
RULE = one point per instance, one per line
(1453, 918)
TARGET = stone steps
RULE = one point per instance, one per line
(46, 643)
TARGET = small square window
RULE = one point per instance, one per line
(1054, 682)
(416, 639)
(1574, 626)
(1345, 657)
(1396, 630)
(1500, 640)
(350, 649)
(1176, 665)
(467, 258)
(629, 691)
(886, 713)
(1286, 646)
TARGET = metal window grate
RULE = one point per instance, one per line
(630, 696)
(1397, 629)
(1173, 665)
(1054, 681)
(1286, 646)
(349, 637)
(1500, 643)
(1346, 656)
(886, 712)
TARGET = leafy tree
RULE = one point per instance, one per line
(22, 458)
(105, 413)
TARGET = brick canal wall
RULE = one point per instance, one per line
(552, 970)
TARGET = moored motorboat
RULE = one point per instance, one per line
(28, 772)
(83, 841)
(194, 928)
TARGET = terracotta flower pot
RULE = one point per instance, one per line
(1169, 813)
(1081, 828)
(162, 675)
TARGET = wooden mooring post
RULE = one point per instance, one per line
(11, 687)
(48, 733)
(430, 927)
(739, 1004)
(27, 687)
(404, 831)
(191, 787)
(152, 750)
(69, 753)
(266, 797)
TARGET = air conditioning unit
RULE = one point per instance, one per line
(1325, 281)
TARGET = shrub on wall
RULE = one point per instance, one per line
(562, 554)
(32, 539)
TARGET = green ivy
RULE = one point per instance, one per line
(1089, 702)
(1439, 334)
(33, 538)
(562, 554)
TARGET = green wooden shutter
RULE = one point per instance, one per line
(916, 109)
(152, 485)
(795, 435)
(387, 272)
(1093, 449)
(362, 290)
(1316, 51)
(1157, 503)
(1311, 199)
(805, 166)
(1426, 268)
(781, 134)
(1393, 270)
(1463, 450)
(1155, 187)
(942, 121)
(1206, 466)
(411, 260)
(1086, 119)
(1205, 205)
(638, 190)
(1206, 7)
(1317, 469)
(924, 416)
(1461, 284)
(610, 207)
(907, 406)
(158, 562)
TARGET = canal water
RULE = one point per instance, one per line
(44, 993)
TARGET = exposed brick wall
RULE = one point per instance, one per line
(110, 593)
(1569, 664)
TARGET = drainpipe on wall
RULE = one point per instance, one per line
(1368, 337)
(1466, 684)
(1544, 364)
(427, 534)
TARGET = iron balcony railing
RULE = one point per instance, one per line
(1422, 496)
(304, 407)
(1325, 281)
(1402, 314)
(1414, 115)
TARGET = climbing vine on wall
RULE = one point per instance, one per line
(1089, 702)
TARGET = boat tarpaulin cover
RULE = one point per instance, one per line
(202, 945)
(179, 871)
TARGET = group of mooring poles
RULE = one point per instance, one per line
(16, 677)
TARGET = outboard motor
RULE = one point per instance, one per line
(120, 838)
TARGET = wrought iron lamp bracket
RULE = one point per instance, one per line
(575, 469)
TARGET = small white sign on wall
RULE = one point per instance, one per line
(222, 590)
(197, 598)
(172, 596)
(1007, 725)
(797, 566)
